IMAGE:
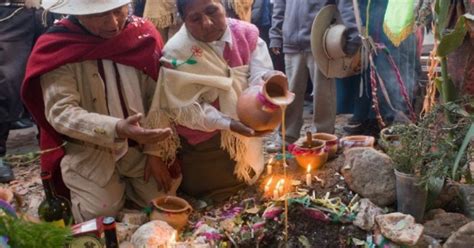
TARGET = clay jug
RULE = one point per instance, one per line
(171, 209)
(260, 108)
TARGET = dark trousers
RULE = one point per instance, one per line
(17, 35)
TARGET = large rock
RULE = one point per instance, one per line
(400, 228)
(425, 242)
(365, 218)
(462, 238)
(444, 224)
(370, 173)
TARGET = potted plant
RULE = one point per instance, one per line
(409, 158)
(424, 155)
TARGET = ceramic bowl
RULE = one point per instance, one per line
(171, 209)
(330, 141)
(357, 141)
(314, 156)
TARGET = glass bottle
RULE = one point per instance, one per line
(54, 208)
(110, 233)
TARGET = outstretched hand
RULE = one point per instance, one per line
(156, 168)
(130, 128)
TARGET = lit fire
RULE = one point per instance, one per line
(267, 185)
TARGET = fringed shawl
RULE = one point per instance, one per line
(193, 73)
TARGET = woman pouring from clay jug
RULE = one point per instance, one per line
(209, 64)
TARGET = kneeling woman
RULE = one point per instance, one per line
(207, 65)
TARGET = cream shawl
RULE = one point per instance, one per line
(193, 73)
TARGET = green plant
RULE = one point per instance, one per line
(449, 39)
(21, 233)
(430, 148)
(409, 155)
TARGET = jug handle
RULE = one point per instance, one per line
(188, 208)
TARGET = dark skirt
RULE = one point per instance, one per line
(208, 170)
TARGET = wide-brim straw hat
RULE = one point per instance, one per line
(327, 43)
(82, 7)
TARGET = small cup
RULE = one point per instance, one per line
(357, 141)
(171, 209)
(314, 156)
(330, 142)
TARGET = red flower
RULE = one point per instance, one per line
(197, 51)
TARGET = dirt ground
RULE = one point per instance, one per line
(27, 185)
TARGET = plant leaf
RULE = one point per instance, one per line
(454, 39)
(442, 11)
(174, 62)
(191, 61)
(465, 142)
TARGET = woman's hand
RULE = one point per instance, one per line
(156, 168)
(130, 128)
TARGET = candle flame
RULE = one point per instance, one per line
(271, 160)
(280, 184)
(308, 169)
(267, 186)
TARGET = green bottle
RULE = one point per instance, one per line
(54, 208)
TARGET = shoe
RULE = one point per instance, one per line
(21, 124)
(368, 127)
(6, 173)
(276, 144)
(353, 121)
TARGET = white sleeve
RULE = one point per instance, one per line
(260, 63)
(211, 120)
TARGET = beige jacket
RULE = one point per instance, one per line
(77, 107)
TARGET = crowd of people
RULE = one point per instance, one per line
(131, 108)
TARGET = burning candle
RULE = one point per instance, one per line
(267, 185)
(280, 186)
(270, 165)
(308, 175)
(269, 169)
(276, 195)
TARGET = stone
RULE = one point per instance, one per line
(400, 228)
(430, 215)
(365, 218)
(155, 233)
(133, 217)
(449, 193)
(467, 198)
(444, 224)
(370, 173)
(125, 231)
(427, 242)
(462, 238)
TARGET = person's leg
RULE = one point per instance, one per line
(324, 98)
(132, 169)
(297, 73)
(89, 200)
(208, 170)
(346, 93)
(94, 192)
(6, 173)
